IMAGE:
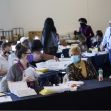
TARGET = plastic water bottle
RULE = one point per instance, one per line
(100, 77)
(62, 55)
(65, 78)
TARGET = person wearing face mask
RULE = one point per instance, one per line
(4, 58)
(37, 55)
(86, 30)
(79, 69)
(15, 73)
(20, 71)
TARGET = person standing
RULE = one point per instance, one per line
(49, 37)
(107, 40)
(86, 30)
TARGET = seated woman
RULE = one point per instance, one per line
(15, 73)
(79, 69)
(96, 41)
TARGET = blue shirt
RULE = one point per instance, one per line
(107, 38)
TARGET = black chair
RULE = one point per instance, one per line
(1, 43)
(65, 52)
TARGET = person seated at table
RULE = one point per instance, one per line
(79, 69)
(25, 41)
(38, 56)
(6, 47)
(96, 41)
(15, 73)
(63, 45)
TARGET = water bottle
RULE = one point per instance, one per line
(65, 78)
(100, 77)
(62, 55)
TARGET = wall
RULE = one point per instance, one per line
(31, 14)
(5, 17)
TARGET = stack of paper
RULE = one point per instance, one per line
(5, 99)
(21, 89)
(86, 54)
(2, 94)
(57, 65)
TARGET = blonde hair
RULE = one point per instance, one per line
(75, 50)
(63, 42)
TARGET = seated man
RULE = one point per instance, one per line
(4, 58)
(79, 69)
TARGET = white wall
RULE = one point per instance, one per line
(5, 17)
(31, 14)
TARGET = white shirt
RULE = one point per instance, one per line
(107, 38)
(3, 63)
(12, 59)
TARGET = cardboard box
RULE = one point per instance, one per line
(32, 34)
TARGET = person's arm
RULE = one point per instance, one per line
(91, 32)
(2, 71)
(70, 73)
(104, 41)
(11, 74)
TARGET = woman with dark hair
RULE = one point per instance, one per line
(96, 41)
(49, 37)
(86, 30)
(38, 56)
(15, 73)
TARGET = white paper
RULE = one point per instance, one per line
(17, 85)
(55, 65)
(30, 72)
(25, 92)
(86, 54)
(5, 99)
(21, 89)
(2, 94)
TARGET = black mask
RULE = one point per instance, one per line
(82, 24)
(6, 53)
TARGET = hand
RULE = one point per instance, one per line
(28, 78)
(101, 47)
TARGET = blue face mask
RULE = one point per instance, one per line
(30, 58)
(75, 59)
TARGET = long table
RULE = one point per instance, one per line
(92, 95)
